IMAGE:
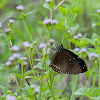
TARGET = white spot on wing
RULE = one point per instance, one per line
(69, 59)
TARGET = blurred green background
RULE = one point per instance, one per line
(87, 19)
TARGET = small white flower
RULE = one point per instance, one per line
(48, 51)
(23, 58)
(9, 97)
(42, 45)
(11, 20)
(11, 58)
(35, 67)
(83, 50)
(20, 7)
(45, 51)
(24, 63)
(76, 49)
(26, 44)
(16, 55)
(7, 30)
(51, 40)
(68, 31)
(75, 37)
(8, 63)
(0, 24)
(11, 78)
(34, 42)
(95, 39)
(31, 45)
(98, 10)
(33, 85)
(94, 55)
(15, 48)
(54, 46)
(36, 90)
(48, 43)
(47, 21)
(52, 22)
(79, 35)
(47, 1)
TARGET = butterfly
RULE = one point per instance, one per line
(65, 61)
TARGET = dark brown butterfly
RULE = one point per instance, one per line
(65, 61)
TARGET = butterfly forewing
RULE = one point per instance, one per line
(65, 61)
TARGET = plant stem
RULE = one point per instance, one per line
(89, 80)
(94, 77)
(48, 34)
(22, 79)
(71, 21)
(31, 38)
(51, 82)
(75, 77)
(51, 13)
(65, 32)
(99, 74)
(41, 81)
(8, 40)
(31, 63)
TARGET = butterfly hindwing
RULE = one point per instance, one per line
(80, 61)
(65, 61)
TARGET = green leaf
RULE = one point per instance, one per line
(49, 5)
(46, 5)
(96, 98)
(52, 4)
(58, 91)
(94, 36)
(28, 72)
(29, 13)
(33, 77)
(74, 41)
(5, 89)
(47, 92)
(76, 9)
(88, 72)
(74, 27)
(62, 10)
(46, 76)
(95, 92)
(83, 42)
(98, 23)
(82, 91)
(38, 60)
(40, 22)
(17, 75)
(64, 98)
(39, 65)
(94, 24)
(90, 40)
(2, 67)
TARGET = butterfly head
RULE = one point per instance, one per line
(60, 48)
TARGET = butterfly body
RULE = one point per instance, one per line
(65, 61)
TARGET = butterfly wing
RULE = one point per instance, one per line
(66, 62)
(79, 60)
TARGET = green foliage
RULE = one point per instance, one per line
(49, 5)
(75, 23)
